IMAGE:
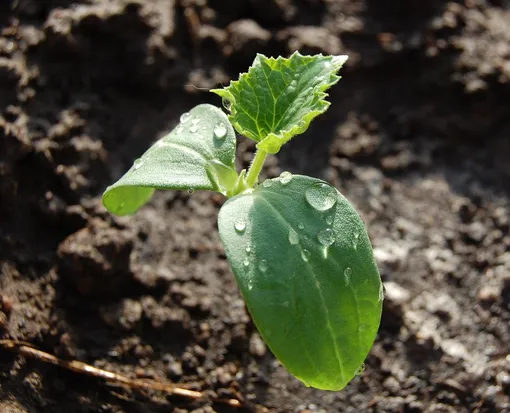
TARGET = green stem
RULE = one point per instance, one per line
(255, 168)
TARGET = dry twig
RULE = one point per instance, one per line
(29, 351)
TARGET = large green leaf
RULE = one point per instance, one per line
(278, 98)
(198, 154)
(304, 265)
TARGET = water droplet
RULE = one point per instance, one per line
(330, 219)
(347, 275)
(248, 249)
(190, 190)
(293, 237)
(285, 178)
(301, 226)
(268, 183)
(321, 196)
(382, 292)
(220, 131)
(158, 144)
(263, 266)
(305, 255)
(355, 240)
(138, 163)
(291, 88)
(360, 370)
(227, 104)
(185, 117)
(193, 129)
(246, 263)
(240, 225)
(326, 237)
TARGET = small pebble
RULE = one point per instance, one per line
(6, 304)
(3, 319)
(257, 346)
(488, 294)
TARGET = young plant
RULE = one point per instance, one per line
(299, 250)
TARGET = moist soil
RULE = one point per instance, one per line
(417, 137)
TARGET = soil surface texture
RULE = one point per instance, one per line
(417, 138)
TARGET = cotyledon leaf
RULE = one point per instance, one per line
(305, 267)
(199, 153)
(278, 98)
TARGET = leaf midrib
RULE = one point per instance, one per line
(323, 302)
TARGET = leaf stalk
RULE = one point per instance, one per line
(255, 168)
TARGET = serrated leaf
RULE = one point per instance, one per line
(198, 154)
(305, 267)
(278, 98)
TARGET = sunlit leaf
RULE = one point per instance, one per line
(278, 98)
(198, 154)
(304, 264)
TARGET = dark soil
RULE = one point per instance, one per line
(417, 137)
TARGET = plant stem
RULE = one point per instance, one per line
(255, 168)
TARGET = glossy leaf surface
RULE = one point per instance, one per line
(278, 98)
(198, 154)
(304, 264)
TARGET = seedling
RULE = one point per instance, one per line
(299, 250)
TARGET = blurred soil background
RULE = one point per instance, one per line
(417, 137)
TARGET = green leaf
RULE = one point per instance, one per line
(305, 267)
(198, 154)
(278, 98)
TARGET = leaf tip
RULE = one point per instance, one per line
(339, 60)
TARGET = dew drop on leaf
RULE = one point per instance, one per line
(330, 219)
(301, 226)
(226, 103)
(220, 131)
(185, 117)
(263, 266)
(240, 225)
(326, 237)
(360, 370)
(248, 249)
(268, 183)
(138, 163)
(321, 196)
(193, 129)
(291, 88)
(246, 263)
(382, 292)
(347, 275)
(293, 237)
(285, 178)
(355, 240)
(305, 255)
